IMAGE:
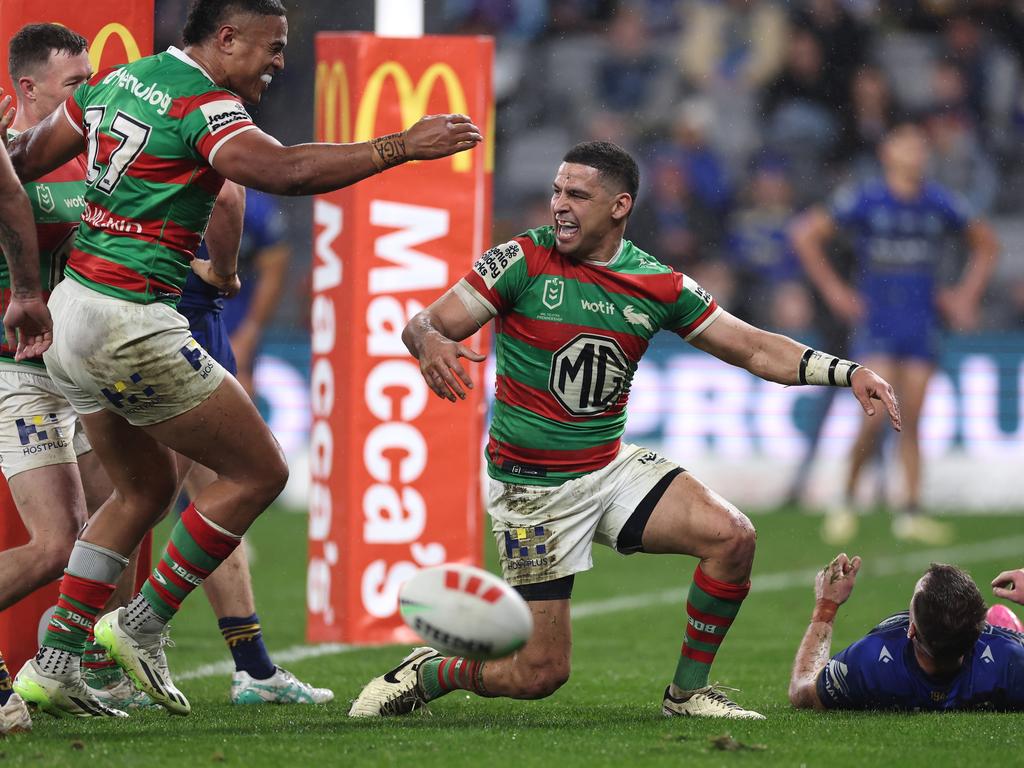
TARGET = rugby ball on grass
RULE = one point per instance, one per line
(1001, 616)
(465, 611)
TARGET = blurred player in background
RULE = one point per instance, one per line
(939, 655)
(162, 133)
(18, 242)
(575, 307)
(900, 223)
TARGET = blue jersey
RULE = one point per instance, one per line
(898, 245)
(759, 245)
(880, 671)
(263, 227)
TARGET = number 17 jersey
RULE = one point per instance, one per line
(152, 128)
(569, 337)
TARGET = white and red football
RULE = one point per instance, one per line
(1001, 616)
(465, 611)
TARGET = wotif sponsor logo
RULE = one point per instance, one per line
(601, 307)
(147, 92)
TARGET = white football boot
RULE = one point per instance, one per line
(280, 688)
(14, 716)
(397, 692)
(143, 659)
(60, 696)
(706, 702)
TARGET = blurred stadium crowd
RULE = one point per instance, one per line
(741, 113)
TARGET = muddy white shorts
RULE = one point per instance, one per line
(38, 427)
(136, 360)
(547, 533)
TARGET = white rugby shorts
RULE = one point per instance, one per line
(38, 426)
(546, 533)
(136, 360)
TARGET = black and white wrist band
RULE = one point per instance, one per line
(822, 368)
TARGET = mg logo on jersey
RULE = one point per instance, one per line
(554, 292)
(589, 374)
(45, 197)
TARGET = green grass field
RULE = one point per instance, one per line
(627, 633)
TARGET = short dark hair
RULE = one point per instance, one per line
(205, 17)
(949, 613)
(614, 163)
(32, 45)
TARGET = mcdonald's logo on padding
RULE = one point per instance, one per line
(99, 44)
(333, 105)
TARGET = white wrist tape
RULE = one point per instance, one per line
(822, 368)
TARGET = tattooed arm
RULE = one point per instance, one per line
(831, 589)
(27, 320)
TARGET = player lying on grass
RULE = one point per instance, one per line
(939, 655)
(575, 306)
(162, 133)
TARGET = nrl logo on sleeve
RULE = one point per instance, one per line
(45, 197)
(221, 114)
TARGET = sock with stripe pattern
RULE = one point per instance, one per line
(197, 546)
(711, 608)
(244, 637)
(450, 673)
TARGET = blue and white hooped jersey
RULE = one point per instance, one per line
(880, 671)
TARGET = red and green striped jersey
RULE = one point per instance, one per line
(153, 128)
(57, 204)
(569, 337)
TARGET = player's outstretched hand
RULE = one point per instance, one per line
(1009, 585)
(226, 286)
(867, 386)
(835, 581)
(437, 136)
(28, 321)
(441, 369)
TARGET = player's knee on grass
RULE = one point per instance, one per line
(540, 678)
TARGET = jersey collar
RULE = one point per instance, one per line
(612, 261)
(183, 57)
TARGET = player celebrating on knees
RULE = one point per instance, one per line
(161, 133)
(939, 655)
(575, 306)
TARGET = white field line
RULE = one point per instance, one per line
(1011, 548)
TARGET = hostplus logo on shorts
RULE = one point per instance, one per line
(526, 548)
(135, 394)
(197, 358)
(40, 433)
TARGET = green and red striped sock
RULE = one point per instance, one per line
(195, 548)
(711, 608)
(80, 602)
(450, 673)
(98, 668)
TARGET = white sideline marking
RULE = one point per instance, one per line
(771, 582)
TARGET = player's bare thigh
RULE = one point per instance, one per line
(691, 519)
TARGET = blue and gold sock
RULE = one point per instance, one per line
(5, 683)
(244, 637)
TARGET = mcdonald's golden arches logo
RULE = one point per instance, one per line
(99, 43)
(333, 111)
